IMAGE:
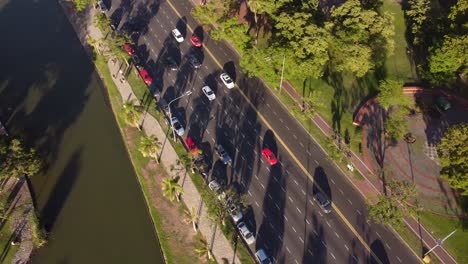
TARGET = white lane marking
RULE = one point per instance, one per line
(300, 143)
(354, 257)
(151, 29)
(316, 162)
(378, 234)
(315, 232)
(264, 215)
(249, 193)
(280, 238)
(328, 223)
(307, 221)
(359, 212)
(271, 225)
(257, 204)
(212, 139)
(286, 218)
(310, 252)
(341, 191)
(388, 246)
(298, 210)
(349, 201)
(281, 120)
(269, 196)
(320, 213)
(304, 193)
(333, 256)
(250, 167)
(199, 77)
(191, 108)
(206, 67)
(283, 189)
(277, 207)
(268, 105)
(323, 243)
(308, 152)
(288, 250)
(268, 169)
(398, 259)
(288, 128)
(296, 182)
(300, 238)
(336, 234)
(310, 201)
(294, 135)
(263, 186)
(332, 181)
(274, 113)
(347, 248)
(296, 261)
(208, 132)
(274, 178)
(294, 229)
(290, 199)
(256, 177)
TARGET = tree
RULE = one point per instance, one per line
(131, 113)
(81, 5)
(233, 32)
(103, 22)
(171, 189)
(191, 217)
(312, 102)
(458, 13)
(16, 161)
(115, 44)
(150, 147)
(203, 248)
(396, 124)
(417, 12)
(386, 211)
(448, 59)
(208, 14)
(391, 94)
(402, 191)
(453, 156)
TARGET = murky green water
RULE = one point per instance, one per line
(88, 197)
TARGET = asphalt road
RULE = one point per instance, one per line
(287, 223)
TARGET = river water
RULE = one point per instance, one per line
(88, 196)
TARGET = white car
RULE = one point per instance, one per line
(246, 234)
(177, 126)
(227, 80)
(235, 213)
(214, 186)
(102, 6)
(177, 35)
(209, 93)
(262, 257)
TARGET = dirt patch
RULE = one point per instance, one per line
(179, 234)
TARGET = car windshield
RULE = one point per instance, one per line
(177, 125)
(271, 156)
(209, 92)
(248, 235)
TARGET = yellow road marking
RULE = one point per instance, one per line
(286, 147)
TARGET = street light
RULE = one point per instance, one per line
(439, 243)
(282, 68)
(170, 111)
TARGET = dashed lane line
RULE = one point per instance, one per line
(296, 182)
(332, 180)
(257, 204)
(359, 212)
(290, 199)
(307, 221)
(347, 248)
(333, 256)
(316, 162)
(303, 192)
(269, 196)
(280, 140)
(349, 201)
(341, 191)
(300, 238)
(249, 193)
(294, 229)
(399, 259)
(297, 208)
(263, 186)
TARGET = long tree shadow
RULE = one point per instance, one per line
(316, 250)
(379, 249)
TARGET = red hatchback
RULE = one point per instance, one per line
(128, 48)
(196, 41)
(269, 156)
(146, 77)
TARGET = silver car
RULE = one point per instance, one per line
(235, 213)
(209, 93)
(176, 33)
(246, 234)
(262, 257)
(225, 158)
(227, 80)
(177, 126)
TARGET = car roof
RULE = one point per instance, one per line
(261, 255)
(321, 198)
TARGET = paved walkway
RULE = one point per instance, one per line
(221, 247)
(371, 187)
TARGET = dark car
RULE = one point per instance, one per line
(323, 202)
(172, 64)
(102, 6)
(194, 61)
(443, 103)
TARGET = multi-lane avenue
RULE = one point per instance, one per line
(286, 221)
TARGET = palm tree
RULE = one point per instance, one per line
(171, 189)
(131, 113)
(203, 249)
(191, 217)
(150, 147)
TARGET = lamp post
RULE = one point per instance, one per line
(282, 68)
(170, 111)
(439, 243)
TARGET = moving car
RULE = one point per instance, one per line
(172, 64)
(146, 77)
(176, 33)
(225, 158)
(129, 49)
(209, 93)
(226, 79)
(262, 257)
(269, 156)
(102, 6)
(194, 61)
(235, 213)
(246, 234)
(177, 126)
(323, 202)
(196, 41)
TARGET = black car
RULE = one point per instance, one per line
(194, 61)
(172, 64)
(323, 202)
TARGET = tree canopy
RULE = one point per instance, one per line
(453, 156)
(16, 161)
(449, 58)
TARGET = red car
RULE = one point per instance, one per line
(269, 156)
(196, 41)
(191, 145)
(146, 77)
(128, 48)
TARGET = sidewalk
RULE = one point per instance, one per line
(220, 246)
(370, 188)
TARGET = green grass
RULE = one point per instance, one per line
(441, 226)
(414, 242)
(8, 251)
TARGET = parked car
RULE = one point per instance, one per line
(129, 49)
(235, 213)
(246, 234)
(209, 93)
(323, 202)
(194, 61)
(172, 64)
(162, 103)
(269, 156)
(102, 6)
(226, 79)
(443, 103)
(214, 186)
(196, 41)
(224, 156)
(177, 126)
(262, 257)
(146, 77)
(176, 33)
